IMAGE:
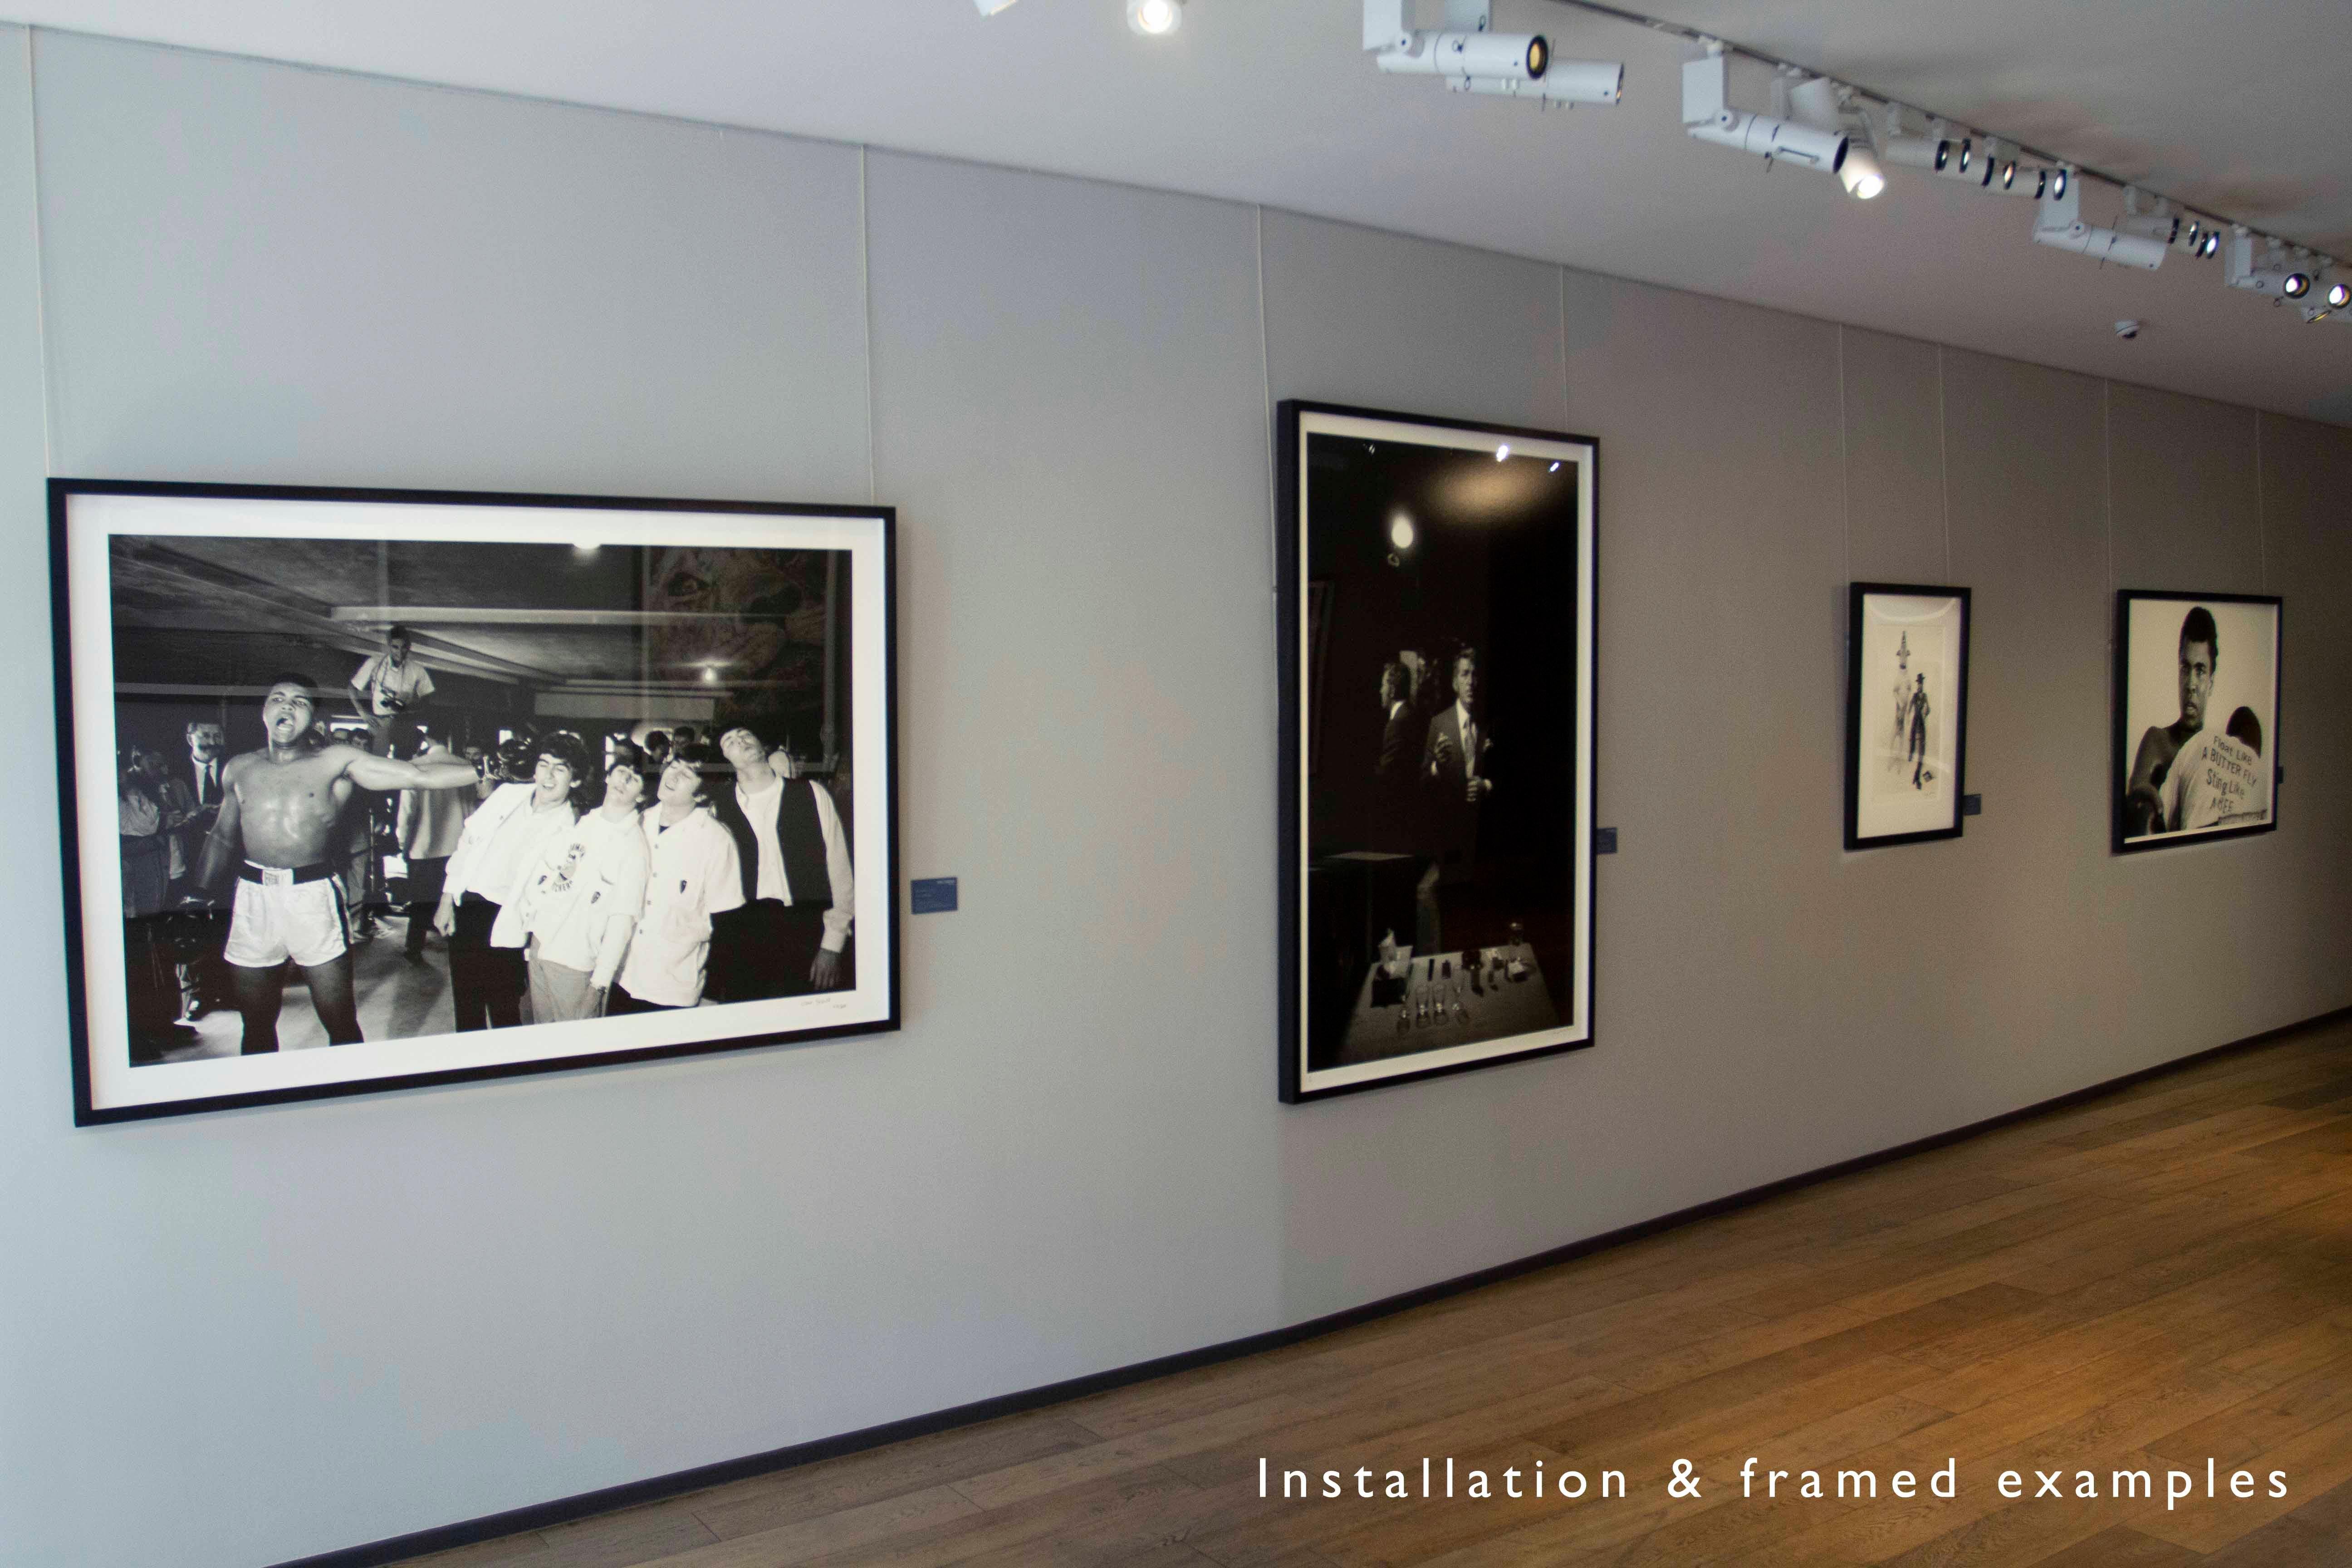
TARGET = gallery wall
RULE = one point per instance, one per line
(242, 1338)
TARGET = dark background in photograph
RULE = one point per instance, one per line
(519, 638)
(1493, 566)
(197, 618)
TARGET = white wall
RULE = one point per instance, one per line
(245, 1337)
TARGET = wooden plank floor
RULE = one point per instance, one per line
(2155, 1278)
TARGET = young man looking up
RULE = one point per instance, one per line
(798, 890)
(574, 916)
(694, 876)
(496, 855)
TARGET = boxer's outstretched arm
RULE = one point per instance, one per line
(387, 773)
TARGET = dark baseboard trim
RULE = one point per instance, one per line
(566, 1510)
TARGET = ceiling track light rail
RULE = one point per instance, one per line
(1951, 151)
(1820, 122)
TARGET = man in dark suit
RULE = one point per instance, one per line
(1396, 715)
(1453, 757)
(792, 935)
(192, 795)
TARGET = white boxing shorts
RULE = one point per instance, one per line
(276, 918)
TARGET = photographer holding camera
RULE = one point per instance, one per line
(388, 685)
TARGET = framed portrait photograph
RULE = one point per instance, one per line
(1437, 598)
(2197, 717)
(410, 787)
(1907, 712)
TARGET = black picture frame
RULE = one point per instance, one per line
(1876, 817)
(1500, 555)
(146, 574)
(2238, 739)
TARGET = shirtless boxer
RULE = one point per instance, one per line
(278, 808)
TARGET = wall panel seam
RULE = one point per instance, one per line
(865, 303)
(1265, 373)
(1943, 460)
(1564, 414)
(1845, 473)
(2107, 484)
(40, 263)
(2262, 512)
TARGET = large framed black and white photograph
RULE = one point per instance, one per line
(371, 788)
(2196, 717)
(1907, 712)
(1437, 592)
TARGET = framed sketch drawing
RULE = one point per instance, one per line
(371, 788)
(1907, 712)
(2196, 717)
(1437, 637)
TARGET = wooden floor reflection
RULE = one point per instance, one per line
(2154, 1278)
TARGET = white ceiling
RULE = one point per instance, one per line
(2232, 106)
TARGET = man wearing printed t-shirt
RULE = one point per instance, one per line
(790, 936)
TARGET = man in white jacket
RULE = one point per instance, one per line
(693, 875)
(498, 852)
(575, 911)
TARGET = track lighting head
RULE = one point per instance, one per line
(2339, 296)
(2274, 274)
(1918, 152)
(2058, 222)
(1820, 103)
(1861, 174)
(1474, 59)
(1568, 82)
(1709, 116)
(1155, 18)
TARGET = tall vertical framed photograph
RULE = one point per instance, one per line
(2196, 717)
(1907, 712)
(1437, 591)
(365, 789)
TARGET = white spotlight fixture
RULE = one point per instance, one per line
(2339, 297)
(1155, 18)
(1898, 147)
(1471, 56)
(2058, 222)
(1707, 116)
(2275, 275)
(990, 7)
(2199, 237)
(2162, 226)
(1568, 82)
(2020, 178)
(1501, 453)
(1400, 532)
(1820, 103)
